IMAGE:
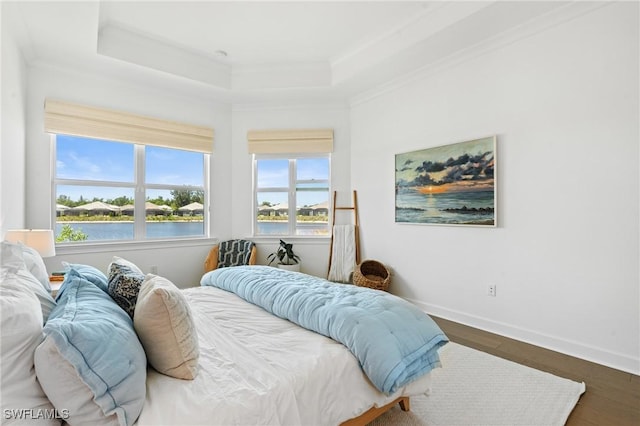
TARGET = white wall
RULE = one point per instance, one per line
(564, 106)
(314, 252)
(12, 131)
(231, 204)
(183, 265)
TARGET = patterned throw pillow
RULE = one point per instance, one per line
(124, 286)
(234, 253)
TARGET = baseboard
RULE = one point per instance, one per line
(568, 347)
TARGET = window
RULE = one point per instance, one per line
(291, 195)
(120, 176)
(291, 191)
(106, 190)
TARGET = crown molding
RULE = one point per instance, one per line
(558, 14)
(324, 106)
(281, 76)
(126, 45)
(392, 43)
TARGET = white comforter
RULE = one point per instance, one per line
(256, 368)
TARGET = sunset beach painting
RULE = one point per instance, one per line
(448, 185)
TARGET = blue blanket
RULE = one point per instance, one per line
(394, 341)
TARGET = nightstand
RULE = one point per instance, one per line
(55, 286)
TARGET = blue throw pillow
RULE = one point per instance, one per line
(90, 273)
(91, 361)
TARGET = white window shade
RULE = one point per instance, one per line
(98, 123)
(298, 141)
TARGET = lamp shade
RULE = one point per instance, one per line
(39, 239)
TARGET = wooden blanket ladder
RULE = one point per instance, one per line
(354, 208)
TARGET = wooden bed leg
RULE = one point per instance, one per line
(405, 403)
(375, 412)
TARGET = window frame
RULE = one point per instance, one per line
(291, 193)
(139, 186)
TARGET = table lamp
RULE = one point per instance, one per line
(38, 239)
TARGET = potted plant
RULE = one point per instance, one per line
(287, 259)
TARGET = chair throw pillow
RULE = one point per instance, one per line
(234, 253)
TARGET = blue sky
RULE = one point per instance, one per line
(275, 174)
(97, 160)
(90, 159)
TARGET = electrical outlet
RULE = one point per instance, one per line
(491, 290)
(154, 269)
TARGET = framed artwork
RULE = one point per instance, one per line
(448, 185)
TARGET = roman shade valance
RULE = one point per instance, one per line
(299, 141)
(86, 121)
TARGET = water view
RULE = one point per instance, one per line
(451, 184)
(469, 208)
(124, 230)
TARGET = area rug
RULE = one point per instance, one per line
(475, 388)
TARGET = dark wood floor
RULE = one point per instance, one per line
(612, 397)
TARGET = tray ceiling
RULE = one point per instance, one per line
(244, 50)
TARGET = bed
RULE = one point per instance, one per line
(244, 365)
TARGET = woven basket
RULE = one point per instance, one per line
(372, 274)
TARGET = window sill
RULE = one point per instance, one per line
(110, 246)
(299, 239)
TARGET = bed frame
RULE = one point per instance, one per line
(375, 412)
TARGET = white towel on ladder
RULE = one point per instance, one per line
(343, 254)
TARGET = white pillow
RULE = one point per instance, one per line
(166, 329)
(11, 257)
(20, 334)
(14, 270)
(77, 398)
(124, 262)
(34, 263)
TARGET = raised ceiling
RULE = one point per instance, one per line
(339, 49)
